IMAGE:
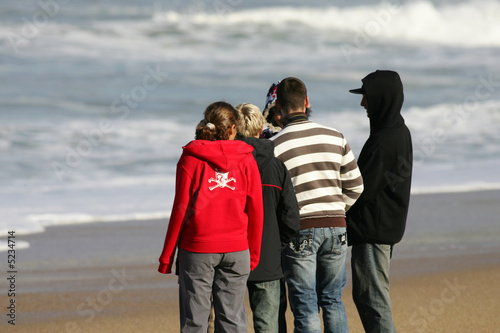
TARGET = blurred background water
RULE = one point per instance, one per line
(98, 97)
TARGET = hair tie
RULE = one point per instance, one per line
(210, 125)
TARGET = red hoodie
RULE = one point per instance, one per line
(218, 202)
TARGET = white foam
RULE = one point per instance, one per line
(415, 21)
(169, 33)
(47, 220)
(37, 223)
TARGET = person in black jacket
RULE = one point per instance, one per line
(378, 218)
(281, 221)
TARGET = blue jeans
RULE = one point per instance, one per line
(264, 298)
(315, 271)
(370, 265)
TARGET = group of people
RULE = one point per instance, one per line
(264, 198)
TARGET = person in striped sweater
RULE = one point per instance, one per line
(327, 182)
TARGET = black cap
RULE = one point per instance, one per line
(359, 90)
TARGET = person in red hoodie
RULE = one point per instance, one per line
(216, 224)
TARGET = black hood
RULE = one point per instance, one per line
(384, 96)
(263, 151)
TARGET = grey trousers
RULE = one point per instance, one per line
(223, 275)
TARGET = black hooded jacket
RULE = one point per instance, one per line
(379, 215)
(281, 211)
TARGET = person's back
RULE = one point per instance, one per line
(281, 221)
(386, 163)
(323, 170)
(281, 211)
(327, 182)
(216, 223)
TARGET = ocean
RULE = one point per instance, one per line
(98, 97)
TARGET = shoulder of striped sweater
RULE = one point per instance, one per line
(334, 129)
(312, 124)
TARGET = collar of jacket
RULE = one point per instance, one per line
(294, 118)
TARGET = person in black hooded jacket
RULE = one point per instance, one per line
(378, 218)
(281, 222)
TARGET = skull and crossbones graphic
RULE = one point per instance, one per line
(222, 181)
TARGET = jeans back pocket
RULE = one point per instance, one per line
(301, 244)
(340, 241)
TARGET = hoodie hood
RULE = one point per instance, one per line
(224, 155)
(384, 95)
(263, 151)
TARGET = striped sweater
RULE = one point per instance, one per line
(323, 169)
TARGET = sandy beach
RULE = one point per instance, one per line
(102, 277)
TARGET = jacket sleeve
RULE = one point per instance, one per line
(288, 208)
(176, 222)
(255, 211)
(350, 175)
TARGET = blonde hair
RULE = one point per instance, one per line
(219, 117)
(251, 120)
